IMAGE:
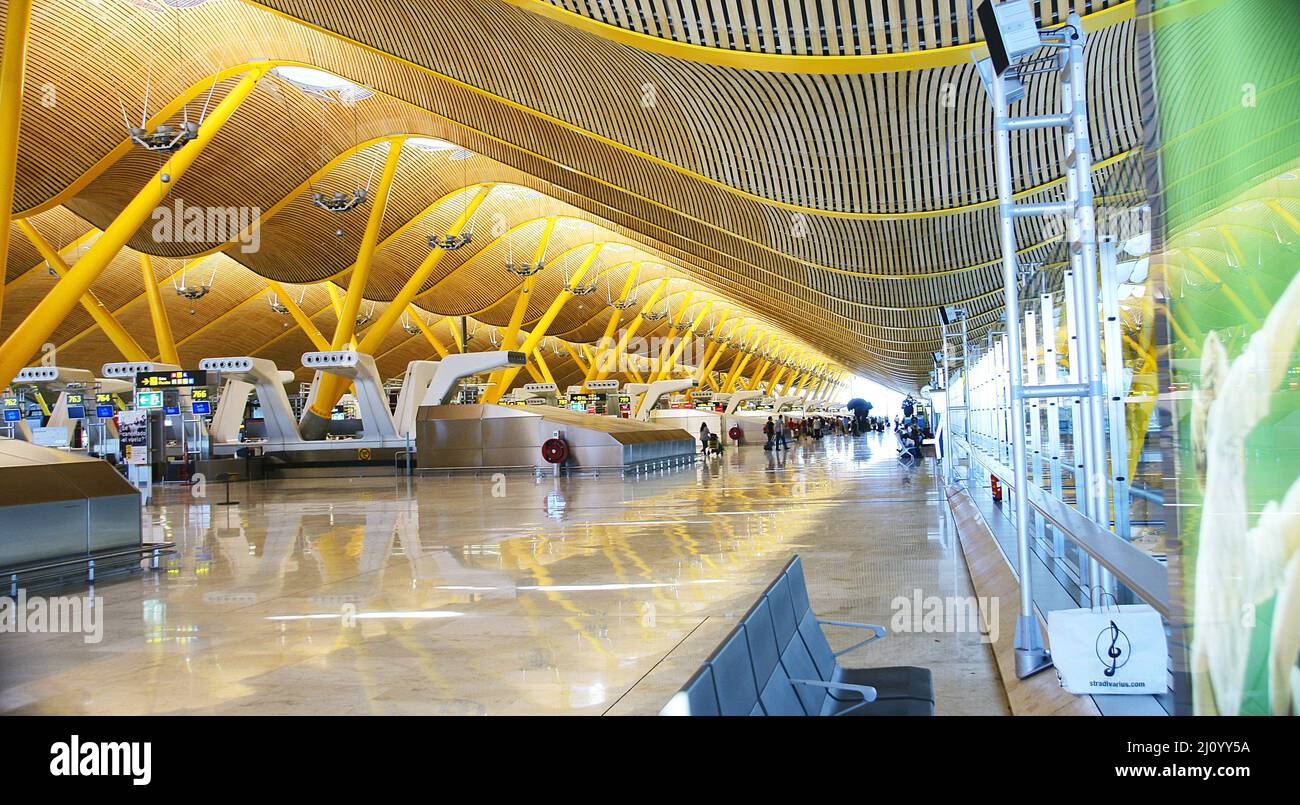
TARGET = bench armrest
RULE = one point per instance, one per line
(877, 632)
(867, 692)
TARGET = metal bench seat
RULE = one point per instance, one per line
(777, 661)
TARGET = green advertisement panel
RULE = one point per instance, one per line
(1227, 77)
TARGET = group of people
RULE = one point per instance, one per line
(912, 431)
(775, 429)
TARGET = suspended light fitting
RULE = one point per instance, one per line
(339, 202)
(451, 242)
(525, 269)
(194, 292)
(165, 138)
(580, 289)
(365, 318)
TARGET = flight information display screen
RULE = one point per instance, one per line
(589, 403)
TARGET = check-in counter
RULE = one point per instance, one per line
(510, 437)
(59, 505)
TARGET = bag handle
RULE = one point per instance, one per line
(1104, 595)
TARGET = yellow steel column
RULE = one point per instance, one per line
(659, 370)
(540, 326)
(541, 364)
(511, 336)
(706, 370)
(615, 316)
(27, 338)
(331, 386)
(777, 353)
(110, 325)
(573, 353)
(758, 376)
(304, 321)
(713, 350)
(427, 333)
(13, 63)
(736, 365)
(795, 374)
(776, 378)
(666, 370)
(630, 332)
(347, 324)
(162, 328)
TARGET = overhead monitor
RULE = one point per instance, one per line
(1010, 29)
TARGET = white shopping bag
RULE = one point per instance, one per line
(1111, 649)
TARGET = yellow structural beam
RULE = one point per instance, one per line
(345, 327)
(706, 369)
(779, 354)
(811, 63)
(634, 326)
(13, 64)
(162, 328)
(706, 360)
(540, 360)
(72, 246)
(28, 337)
(543, 324)
(347, 324)
(794, 377)
(116, 333)
(661, 370)
(454, 326)
(776, 378)
(615, 316)
(304, 321)
(331, 386)
(437, 345)
(757, 377)
(688, 335)
(577, 360)
(524, 295)
(729, 383)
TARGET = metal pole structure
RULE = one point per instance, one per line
(1115, 390)
(1078, 449)
(947, 412)
(1048, 319)
(1031, 655)
(1036, 473)
(967, 396)
(1083, 242)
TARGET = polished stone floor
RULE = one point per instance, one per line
(504, 595)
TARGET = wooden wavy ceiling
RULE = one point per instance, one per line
(843, 208)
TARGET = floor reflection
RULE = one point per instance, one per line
(473, 595)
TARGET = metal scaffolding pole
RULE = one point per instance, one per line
(1031, 655)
